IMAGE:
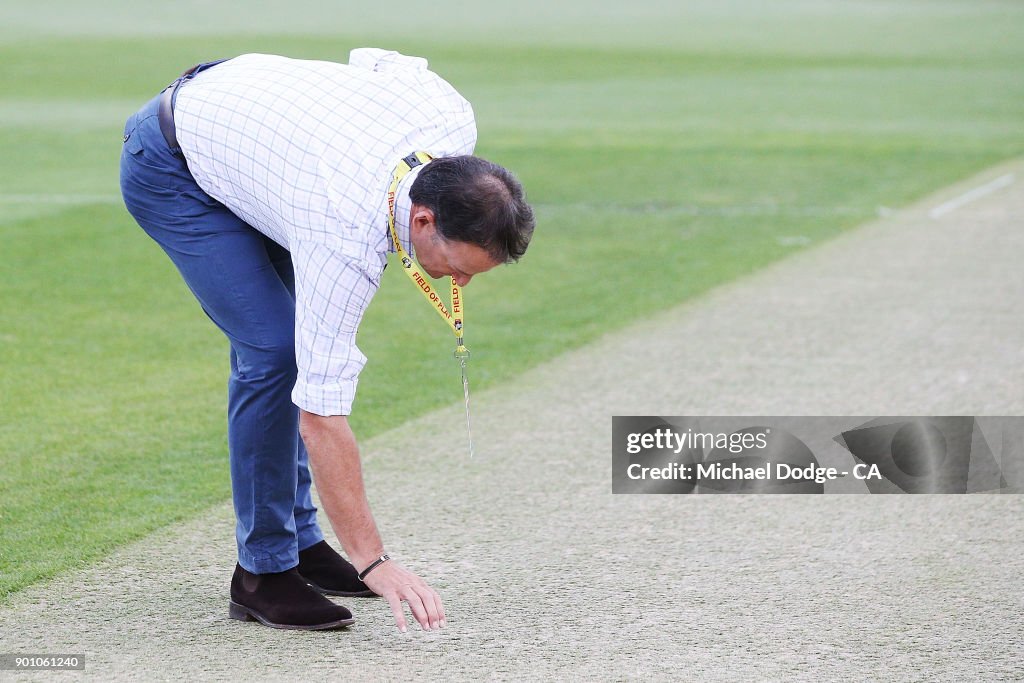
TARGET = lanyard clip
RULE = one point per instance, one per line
(461, 352)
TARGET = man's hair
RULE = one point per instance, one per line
(478, 202)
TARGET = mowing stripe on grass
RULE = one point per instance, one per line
(670, 209)
(663, 208)
(62, 199)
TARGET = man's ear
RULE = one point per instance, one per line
(421, 220)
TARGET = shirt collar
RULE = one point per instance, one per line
(403, 205)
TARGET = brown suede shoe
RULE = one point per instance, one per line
(330, 573)
(283, 600)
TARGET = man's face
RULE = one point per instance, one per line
(441, 257)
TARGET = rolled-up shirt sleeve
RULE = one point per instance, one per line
(332, 291)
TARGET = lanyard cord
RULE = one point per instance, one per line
(455, 316)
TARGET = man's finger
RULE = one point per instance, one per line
(432, 605)
(419, 610)
(439, 607)
(396, 609)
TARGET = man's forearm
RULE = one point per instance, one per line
(337, 471)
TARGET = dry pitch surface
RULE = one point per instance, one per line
(546, 574)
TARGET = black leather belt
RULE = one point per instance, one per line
(165, 111)
(165, 115)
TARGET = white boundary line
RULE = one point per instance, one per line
(972, 195)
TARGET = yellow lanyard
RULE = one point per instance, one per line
(456, 315)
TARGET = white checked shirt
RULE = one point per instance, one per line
(304, 152)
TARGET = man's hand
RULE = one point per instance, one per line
(396, 584)
(334, 459)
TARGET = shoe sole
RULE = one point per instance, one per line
(242, 613)
(340, 594)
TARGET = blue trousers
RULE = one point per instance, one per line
(246, 285)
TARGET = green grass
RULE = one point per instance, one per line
(666, 151)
